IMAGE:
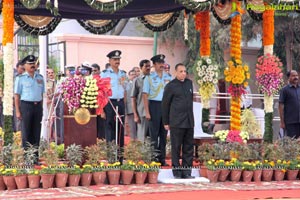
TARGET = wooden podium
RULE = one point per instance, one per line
(83, 135)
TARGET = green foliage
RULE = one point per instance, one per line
(48, 170)
(8, 130)
(268, 135)
(205, 119)
(74, 170)
(30, 154)
(113, 152)
(87, 168)
(51, 157)
(148, 151)
(7, 155)
(74, 154)
(133, 150)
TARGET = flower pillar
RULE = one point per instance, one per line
(236, 53)
(7, 41)
(268, 42)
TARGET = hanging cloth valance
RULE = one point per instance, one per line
(198, 5)
(107, 6)
(37, 25)
(98, 26)
(222, 12)
(159, 22)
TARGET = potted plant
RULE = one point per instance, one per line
(33, 178)
(9, 179)
(127, 171)
(47, 176)
(141, 171)
(2, 184)
(86, 175)
(257, 171)
(212, 170)
(248, 170)
(61, 176)
(223, 167)
(30, 156)
(74, 175)
(153, 171)
(236, 169)
(292, 169)
(99, 173)
(74, 154)
(280, 169)
(113, 173)
(267, 170)
(21, 178)
(205, 153)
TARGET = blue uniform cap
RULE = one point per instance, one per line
(160, 58)
(114, 54)
(30, 59)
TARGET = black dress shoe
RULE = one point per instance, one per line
(177, 177)
(188, 177)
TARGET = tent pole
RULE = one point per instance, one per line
(155, 43)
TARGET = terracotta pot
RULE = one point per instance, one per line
(223, 175)
(279, 175)
(257, 175)
(47, 180)
(86, 179)
(140, 177)
(73, 179)
(34, 181)
(247, 176)
(203, 171)
(267, 174)
(127, 176)
(21, 181)
(99, 177)
(113, 177)
(2, 184)
(10, 182)
(213, 175)
(292, 174)
(152, 177)
(235, 175)
(61, 180)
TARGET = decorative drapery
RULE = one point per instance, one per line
(222, 12)
(98, 26)
(108, 6)
(196, 5)
(159, 22)
(37, 25)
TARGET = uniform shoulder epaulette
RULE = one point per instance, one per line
(104, 71)
(123, 71)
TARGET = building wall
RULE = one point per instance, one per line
(94, 48)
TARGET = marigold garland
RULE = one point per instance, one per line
(204, 33)
(8, 21)
(236, 74)
(268, 27)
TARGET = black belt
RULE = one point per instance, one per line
(31, 102)
(117, 100)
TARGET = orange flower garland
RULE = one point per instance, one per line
(204, 33)
(8, 21)
(268, 27)
(236, 54)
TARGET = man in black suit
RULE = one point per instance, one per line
(177, 114)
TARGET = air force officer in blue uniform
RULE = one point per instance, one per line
(118, 78)
(153, 90)
(29, 89)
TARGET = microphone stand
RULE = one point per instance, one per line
(118, 119)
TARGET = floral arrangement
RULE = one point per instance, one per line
(104, 91)
(33, 172)
(211, 164)
(266, 164)
(248, 166)
(128, 165)
(62, 168)
(74, 170)
(268, 27)
(90, 93)
(202, 24)
(258, 164)
(20, 171)
(48, 169)
(250, 125)
(207, 77)
(87, 168)
(9, 172)
(283, 165)
(72, 89)
(232, 136)
(100, 167)
(293, 164)
(269, 78)
(235, 164)
(142, 167)
(237, 75)
(154, 166)
(114, 166)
